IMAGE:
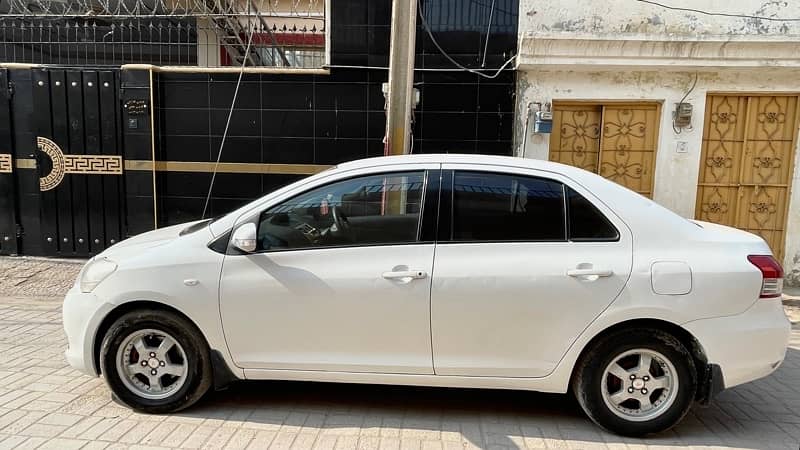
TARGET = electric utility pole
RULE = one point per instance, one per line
(400, 94)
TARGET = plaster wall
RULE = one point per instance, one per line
(615, 17)
(676, 174)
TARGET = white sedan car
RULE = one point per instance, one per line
(438, 270)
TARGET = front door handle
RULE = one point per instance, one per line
(405, 274)
(590, 272)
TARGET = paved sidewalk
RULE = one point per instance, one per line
(46, 404)
(37, 276)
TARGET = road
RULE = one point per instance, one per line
(46, 404)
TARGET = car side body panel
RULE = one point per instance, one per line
(510, 309)
(721, 307)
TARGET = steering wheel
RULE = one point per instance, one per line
(340, 221)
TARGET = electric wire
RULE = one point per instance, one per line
(696, 76)
(416, 69)
(459, 66)
(712, 13)
(488, 30)
(450, 58)
(230, 114)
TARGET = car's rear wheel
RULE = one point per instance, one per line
(155, 361)
(636, 382)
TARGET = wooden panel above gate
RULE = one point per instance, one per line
(616, 140)
(747, 163)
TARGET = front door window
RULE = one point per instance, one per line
(370, 210)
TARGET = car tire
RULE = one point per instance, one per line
(659, 396)
(155, 361)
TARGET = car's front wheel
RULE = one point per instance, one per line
(636, 382)
(155, 361)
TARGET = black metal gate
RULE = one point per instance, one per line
(78, 159)
(8, 206)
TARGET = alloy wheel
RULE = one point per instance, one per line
(152, 364)
(639, 385)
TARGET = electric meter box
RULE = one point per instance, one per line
(543, 122)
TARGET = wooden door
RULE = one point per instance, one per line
(616, 140)
(747, 163)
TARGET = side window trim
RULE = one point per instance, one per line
(255, 217)
(429, 216)
(565, 203)
(444, 232)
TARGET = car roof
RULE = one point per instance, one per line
(444, 158)
(477, 159)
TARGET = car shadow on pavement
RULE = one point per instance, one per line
(762, 414)
(498, 418)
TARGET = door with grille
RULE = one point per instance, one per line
(615, 140)
(746, 164)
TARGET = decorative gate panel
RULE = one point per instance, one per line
(747, 162)
(79, 160)
(617, 140)
(8, 207)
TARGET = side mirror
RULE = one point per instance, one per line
(244, 238)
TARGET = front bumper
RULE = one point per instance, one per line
(747, 346)
(82, 314)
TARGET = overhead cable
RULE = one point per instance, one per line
(722, 14)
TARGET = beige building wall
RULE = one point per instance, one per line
(627, 50)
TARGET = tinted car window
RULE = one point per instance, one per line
(375, 209)
(496, 207)
(586, 222)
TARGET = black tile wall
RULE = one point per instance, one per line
(137, 145)
(460, 99)
(328, 119)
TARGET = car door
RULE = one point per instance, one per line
(525, 260)
(340, 280)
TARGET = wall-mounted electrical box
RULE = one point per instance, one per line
(543, 122)
(683, 115)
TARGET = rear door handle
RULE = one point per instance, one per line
(409, 274)
(590, 272)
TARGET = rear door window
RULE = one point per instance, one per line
(504, 207)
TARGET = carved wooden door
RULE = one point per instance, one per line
(747, 162)
(616, 140)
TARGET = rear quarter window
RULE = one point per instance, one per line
(586, 222)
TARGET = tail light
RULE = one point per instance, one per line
(771, 273)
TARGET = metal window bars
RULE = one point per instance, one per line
(204, 33)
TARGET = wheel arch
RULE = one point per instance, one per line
(681, 334)
(123, 309)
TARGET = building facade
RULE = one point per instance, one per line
(613, 74)
(114, 114)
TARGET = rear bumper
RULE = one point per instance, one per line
(747, 346)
